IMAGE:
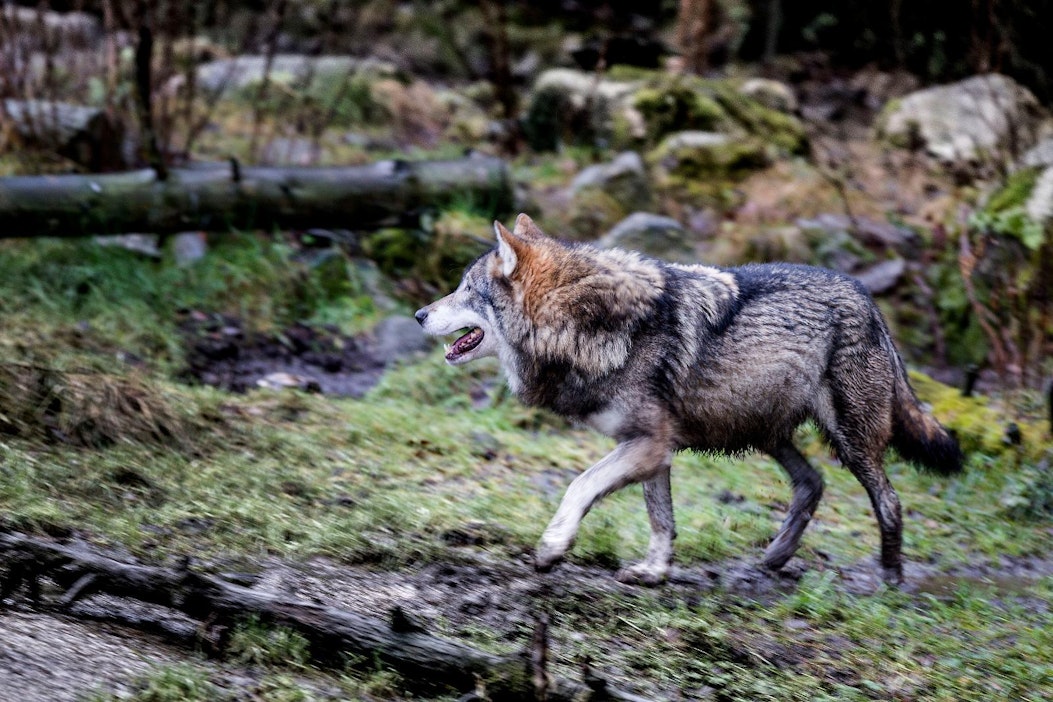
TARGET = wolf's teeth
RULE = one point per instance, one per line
(446, 348)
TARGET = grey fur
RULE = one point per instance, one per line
(666, 357)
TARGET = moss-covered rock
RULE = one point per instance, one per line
(654, 235)
(625, 178)
(703, 165)
(982, 118)
(627, 109)
(771, 93)
(570, 107)
(980, 428)
(433, 259)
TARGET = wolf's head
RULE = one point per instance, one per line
(533, 299)
(477, 302)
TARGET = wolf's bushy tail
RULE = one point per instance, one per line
(918, 437)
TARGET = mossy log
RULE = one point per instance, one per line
(336, 636)
(221, 197)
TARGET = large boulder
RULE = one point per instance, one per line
(625, 179)
(568, 106)
(702, 164)
(241, 72)
(773, 94)
(654, 235)
(977, 119)
(636, 109)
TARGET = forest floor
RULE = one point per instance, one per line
(132, 418)
(428, 493)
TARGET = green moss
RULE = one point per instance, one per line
(705, 169)
(665, 103)
(980, 428)
(678, 106)
(255, 643)
(1015, 192)
(435, 257)
(678, 103)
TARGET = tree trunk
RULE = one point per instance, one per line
(219, 197)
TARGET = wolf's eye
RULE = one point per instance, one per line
(467, 287)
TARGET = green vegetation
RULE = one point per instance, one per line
(182, 682)
(671, 103)
(257, 644)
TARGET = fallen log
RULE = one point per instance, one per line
(335, 636)
(220, 197)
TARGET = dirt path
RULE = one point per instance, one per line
(48, 657)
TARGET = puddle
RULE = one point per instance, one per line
(222, 354)
(946, 586)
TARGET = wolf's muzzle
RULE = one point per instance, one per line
(421, 315)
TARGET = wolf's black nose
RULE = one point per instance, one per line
(421, 315)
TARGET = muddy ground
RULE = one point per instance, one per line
(107, 644)
(221, 353)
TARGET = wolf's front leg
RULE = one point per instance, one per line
(639, 459)
(655, 568)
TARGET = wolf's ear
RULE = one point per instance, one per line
(506, 249)
(526, 228)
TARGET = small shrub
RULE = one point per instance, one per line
(255, 643)
(1029, 494)
(181, 682)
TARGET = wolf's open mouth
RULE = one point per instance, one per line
(465, 344)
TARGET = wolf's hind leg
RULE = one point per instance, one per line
(632, 461)
(871, 473)
(653, 570)
(807, 490)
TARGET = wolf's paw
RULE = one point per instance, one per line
(547, 556)
(779, 552)
(893, 575)
(644, 573)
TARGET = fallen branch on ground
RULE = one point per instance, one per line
(335, 635)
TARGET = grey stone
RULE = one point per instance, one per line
(188, 247)
(625, 179)
(1039, 156)
(1039, 205)
(963, 122)
(242, 71)
(868, 231)
(883, 276)
(145, 244)
(397, 337)
(770, 93)
(652, 234)
(695, 140)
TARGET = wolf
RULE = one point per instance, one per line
(666, 357)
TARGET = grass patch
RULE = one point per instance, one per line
(255, 643)
(181, 682)
(63, 300)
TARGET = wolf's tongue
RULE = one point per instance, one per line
(466, 343)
